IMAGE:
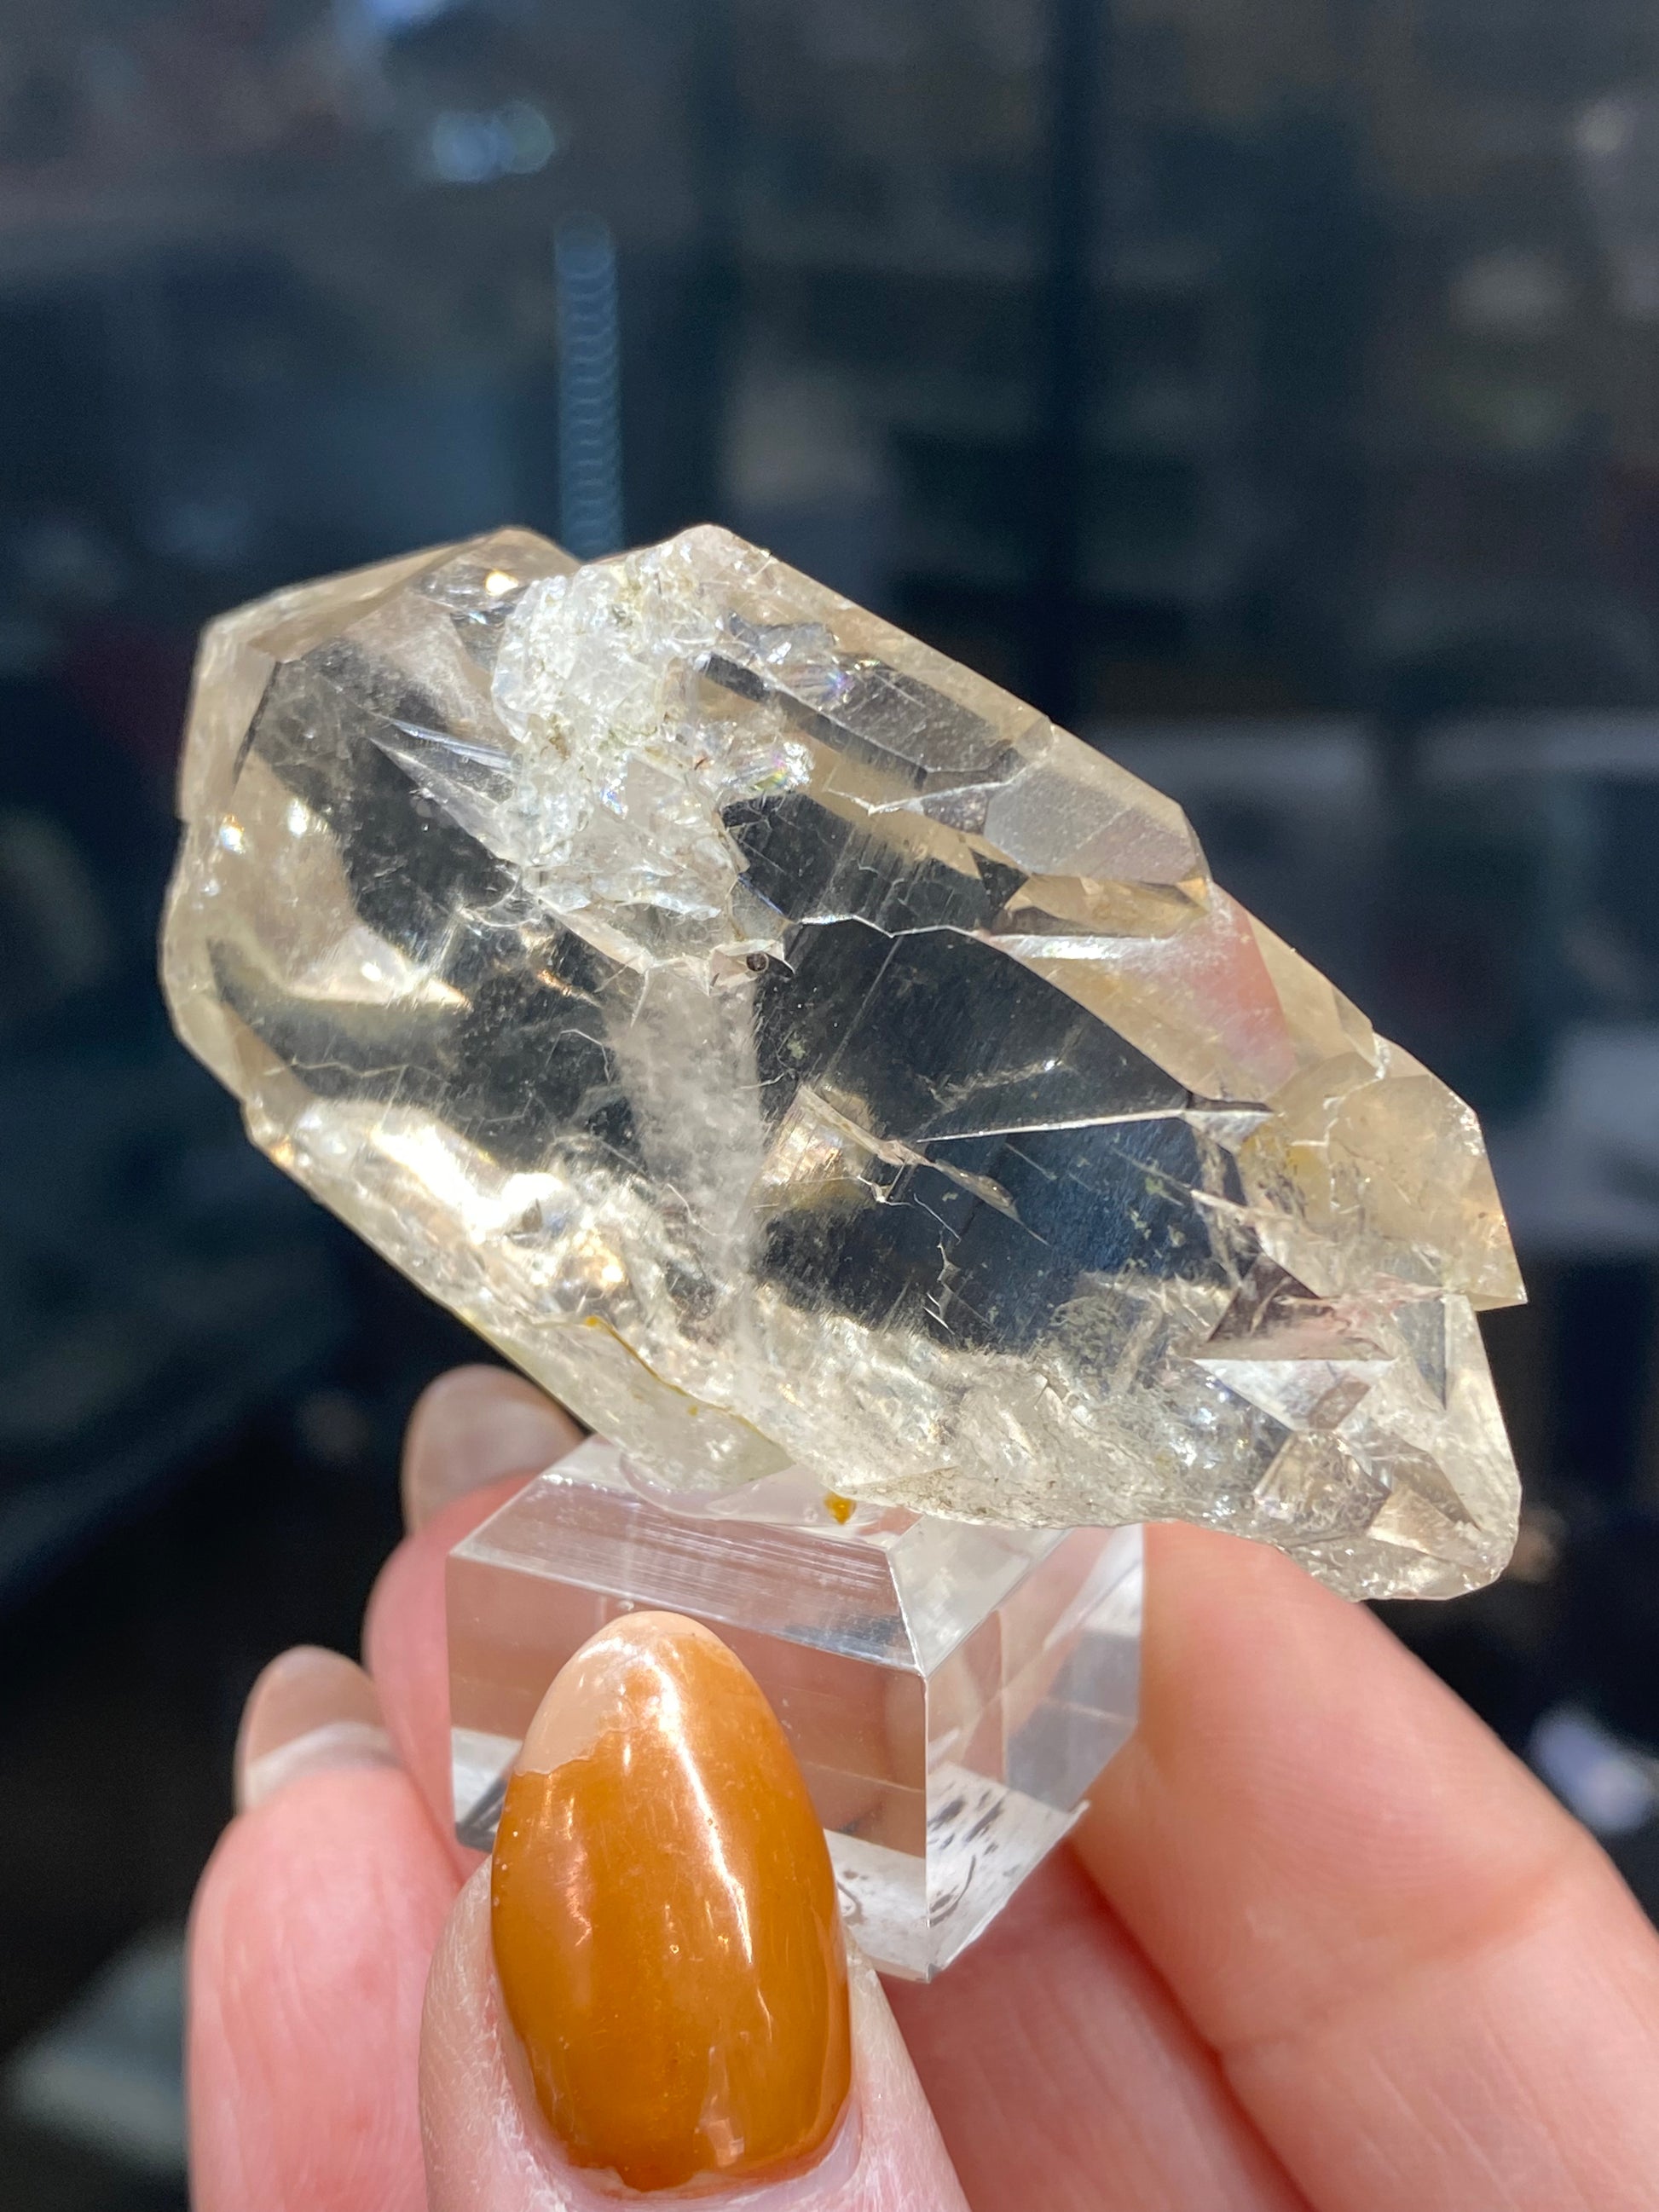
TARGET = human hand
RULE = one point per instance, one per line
(1320, 1940)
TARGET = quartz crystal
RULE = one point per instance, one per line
(795, 1053)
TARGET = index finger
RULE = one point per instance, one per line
(1424, 1980)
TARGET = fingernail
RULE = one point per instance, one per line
(311, 1712)
(666, 1933)
(472, 1426)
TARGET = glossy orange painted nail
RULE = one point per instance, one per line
(665, 1918)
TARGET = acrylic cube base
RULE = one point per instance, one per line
(949, 1690)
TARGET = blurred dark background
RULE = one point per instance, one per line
(1272, 393)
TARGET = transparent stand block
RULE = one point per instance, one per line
(951, 1690)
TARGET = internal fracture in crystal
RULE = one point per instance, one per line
(792, 1050)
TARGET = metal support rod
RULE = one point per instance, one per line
(589, 389)
(1077, 51)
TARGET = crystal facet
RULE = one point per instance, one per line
(793, 1051)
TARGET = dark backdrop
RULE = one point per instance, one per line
(1273, 393)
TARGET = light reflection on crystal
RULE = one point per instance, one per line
(790, 1049)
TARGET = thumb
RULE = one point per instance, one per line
(648, 1982)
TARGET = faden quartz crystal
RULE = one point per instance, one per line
(795, 1053)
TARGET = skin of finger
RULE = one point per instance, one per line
(1425, 1984)
(1062, 2075)
(309, 1942)
(405, 1650)
(486, 2151)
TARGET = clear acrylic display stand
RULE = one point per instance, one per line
(950, 1689)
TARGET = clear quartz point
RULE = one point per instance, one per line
(949, 1690)
(796, 1053)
